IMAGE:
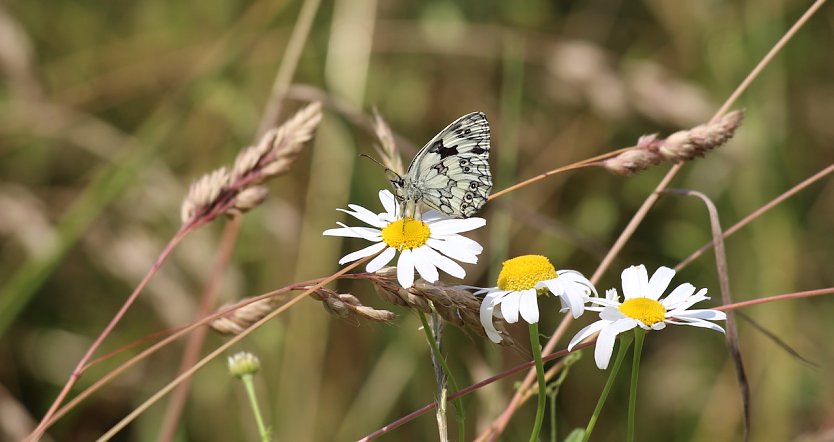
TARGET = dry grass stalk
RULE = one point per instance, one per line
(387, 149)
(455, 305)
(237, 190)
(681, 146)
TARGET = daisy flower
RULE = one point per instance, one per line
(425, 244)
(521, 281)
(644, 308)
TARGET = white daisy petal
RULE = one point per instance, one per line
(659, 282)
(635, 279)
(423, 264)
(680, 294)
(528, 306)
(611, 314)
(362, 253)
(381, 260)
(509, 307)
(364, 215)
(586, 332)
(486, 313)
(606, 339)
(405, 269)
(444, 263)
(700, 323)
(448, 226)
(692, 300)
(461, 242)
(355, 232)
(457, 253)
(711, 315)
(389, 202)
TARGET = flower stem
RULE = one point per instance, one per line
(625, 342)
(256, 410)
(639, 334)
(537, 356)
(457, 403)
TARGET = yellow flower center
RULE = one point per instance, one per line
(406, 233)
(648, 311)
(524, 272)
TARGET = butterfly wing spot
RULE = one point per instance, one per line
(443, 151)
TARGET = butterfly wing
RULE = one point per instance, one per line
(451, 172)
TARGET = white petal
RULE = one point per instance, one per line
(423, 264)
(444, 263)
(692, 300)
(487, 308)
(700, 323)
(570, 297)
(355, 232)
(678, 296)
(447, 226)
(405, 269)
(606, 339)
(611, 314)
(461, 242)
(381, 260)
(451, 251)
(528, 306)
(635, 281)
(711, 315)
(586, 332)
(509, 307)
(432, 215)
(578, 278)
(659, 282)
(364, 215)
(367, 251)
(389, 202)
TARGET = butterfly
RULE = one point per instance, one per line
(451, 172)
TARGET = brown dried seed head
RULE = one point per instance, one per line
(632, 161)
(688, 144)
(455, 305)
(347, 307)
(238, 320)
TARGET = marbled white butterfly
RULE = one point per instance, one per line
(451, 172)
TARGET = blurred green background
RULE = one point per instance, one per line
(108, 110)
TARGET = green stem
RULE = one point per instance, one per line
(256, 410)
(537, 356)
(639, 334)
(625, 342)
(457, 403)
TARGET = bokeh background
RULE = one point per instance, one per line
(108, 110)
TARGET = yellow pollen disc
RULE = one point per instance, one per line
(406, 233)
(524, 272)
(646, 310)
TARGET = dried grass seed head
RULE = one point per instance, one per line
(231, 191)
(683, 145)
(236, 321)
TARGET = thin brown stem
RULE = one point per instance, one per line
(219, 350)
(578, 165)
(79, 368)
(196, 340)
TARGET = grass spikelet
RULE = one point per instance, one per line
(238, 320)
(387, 149)
(681, 146)
(348, 307)
(238, 190)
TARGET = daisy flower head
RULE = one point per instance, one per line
(427, 244)
(643, 308)
(521, 281)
